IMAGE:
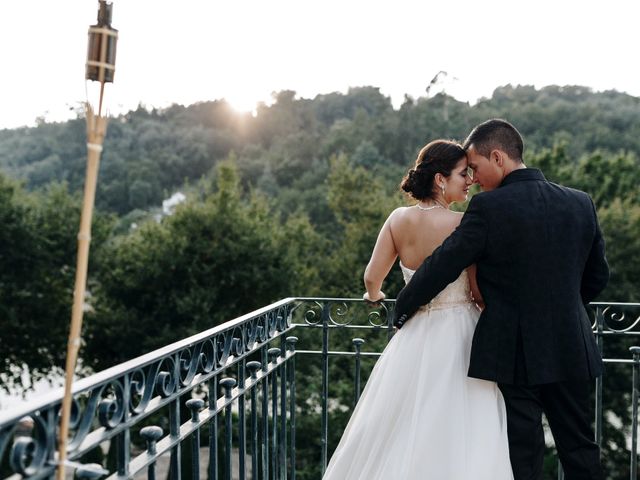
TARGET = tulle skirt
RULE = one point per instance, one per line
(420, 416)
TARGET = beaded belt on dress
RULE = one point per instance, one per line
(432, 306)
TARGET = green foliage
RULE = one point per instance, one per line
(360, 205)
(620, 222)
(37, 265)
(609, 177)
(554, 162)
(150, 153)
(208, 262)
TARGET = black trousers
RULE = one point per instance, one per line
(567, 408)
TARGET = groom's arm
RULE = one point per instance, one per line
(596, 271)
(461, 249)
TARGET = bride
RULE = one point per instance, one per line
(420, 417)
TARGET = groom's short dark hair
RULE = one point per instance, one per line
(496, 134)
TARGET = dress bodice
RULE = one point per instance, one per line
(456, 293)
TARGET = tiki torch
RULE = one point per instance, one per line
(100, 68)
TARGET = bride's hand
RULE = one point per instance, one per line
(378, 298)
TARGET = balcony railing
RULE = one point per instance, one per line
(224, 403)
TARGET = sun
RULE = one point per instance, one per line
(243, 102)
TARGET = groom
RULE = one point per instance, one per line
(540, 257)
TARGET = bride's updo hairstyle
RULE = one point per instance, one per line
(439, 156)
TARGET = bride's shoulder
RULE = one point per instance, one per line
(400, 218)
(451, 215)
(453, 219)
(456, 216)
(399, 213)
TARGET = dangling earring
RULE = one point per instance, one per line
(443, 190)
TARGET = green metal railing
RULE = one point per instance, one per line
(229, 398)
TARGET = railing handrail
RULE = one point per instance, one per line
(614, 304)
(94, 380)
(136, 363)
(346, 299)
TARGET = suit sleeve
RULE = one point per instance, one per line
(461, 249)
(596, 271)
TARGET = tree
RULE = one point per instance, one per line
(210, 261)
(37, 268)
(620, 223)
(608, 177)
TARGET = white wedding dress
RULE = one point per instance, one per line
(420, 417)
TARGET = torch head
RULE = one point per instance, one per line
(101, 52)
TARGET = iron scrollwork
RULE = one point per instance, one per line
(619, 319)
(29, 440)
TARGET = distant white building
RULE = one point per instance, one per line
(170, 203)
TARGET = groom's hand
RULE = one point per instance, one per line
(400, 321)
(401, 312)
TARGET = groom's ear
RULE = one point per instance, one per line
(498, 157)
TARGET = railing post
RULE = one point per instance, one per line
(242, 434)
(175, 468)
(213, 429)
(174, 430)
(357, 344)
(195, 405)
(283, 412)
(51, 418)
(265, 415)
(273, 354)
(634, 412)
(151, 434)
(324, 434)
(253, 368)
(227, 385)
(123, 440)
(291, 342)
(599, 384)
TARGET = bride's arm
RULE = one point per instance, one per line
(473, 283)
(382, 259)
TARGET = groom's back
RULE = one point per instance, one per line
(539, 231)
(539, 239)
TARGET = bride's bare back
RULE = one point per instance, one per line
(416, 233)
(411, 234)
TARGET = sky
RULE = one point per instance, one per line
(244, 50)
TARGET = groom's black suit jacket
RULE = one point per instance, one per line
(540, 257)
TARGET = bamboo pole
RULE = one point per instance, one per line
(96, 130)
